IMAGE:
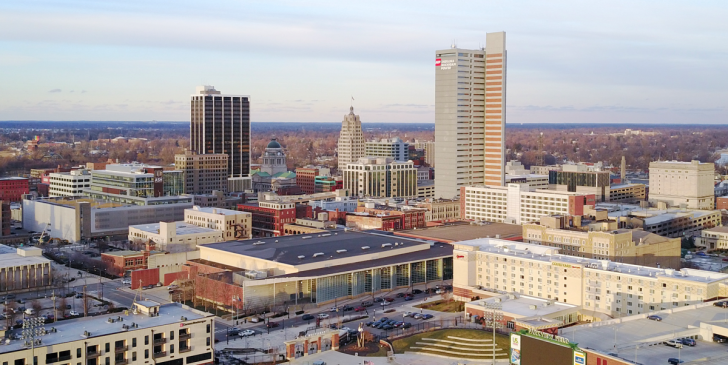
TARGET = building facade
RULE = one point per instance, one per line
(713, 238)
(429, 148)
(171, 334)
(221, 124)
(12, 189)
(470, 116)
(306, 179)
(203, 173)
(603, 289)
(351, 145)
(380, 177)
(68, 183)
(676, 183)
(425, 189)
(442, 210)
(268, 218)
(395, 148)
(516, 204)
(576, 178)
(629, 246)
(274, 159)
(627, 193)
(23, 269)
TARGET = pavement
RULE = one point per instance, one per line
(339, 358)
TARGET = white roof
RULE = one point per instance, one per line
(212, 210)
(181, 228)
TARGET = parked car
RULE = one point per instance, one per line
(674, 343)
(654, 318)
(255, 319)
(246, 333)
(369, 324)
(427, 316)
(722, 304)
(719, 338)
(29, 311)
(417, 291)
(674, 361)
(688, 342)
(79, 295)
(389, 299)
(366, 304)
(333, 309)
(400, 295)
(360, 309)
(272, 324)
(307, 317)
(417, 316)
(385, 303)
(378, 300)
(348, 308)
(172, 287)
(319, 362)
(407, 325)
(126, 281)
(408, 298)
(408, 314)
(323, 315)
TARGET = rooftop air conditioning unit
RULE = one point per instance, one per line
(340, 251)
(317, 254)
(386, 245)
(301, 257)
(364, 247)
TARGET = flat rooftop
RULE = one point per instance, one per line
(721, 229)
(73, 329)
(212, 210)
(181, 228)
(13, 259)
(620, 186)
(464, 231)
(549, 254)
(639, 331)
(287, 249)
(522, 305)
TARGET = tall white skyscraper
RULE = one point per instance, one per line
(351, 145)
(470, 116)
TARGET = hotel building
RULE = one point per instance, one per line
(470, 116)
(381, 177)
(603, 289)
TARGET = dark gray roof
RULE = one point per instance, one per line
(287, 249)
(439, 250)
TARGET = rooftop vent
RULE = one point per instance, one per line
(301, 257)
(182, 318)
(386, 245)
(497, 300)
(340, 251)
(306, 237)
(317, 254)
(364, 247)
(326, 235)
(532, 307)
(258, 243)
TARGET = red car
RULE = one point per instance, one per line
(272, 324)
(360, 309)
(389, 299)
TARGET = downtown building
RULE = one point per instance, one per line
(395, 148)
(381, 177)
(220, 123)
(351, 145)
(682, 184)
(470, 116)
(203, 173)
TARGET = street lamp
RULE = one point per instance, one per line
(493, 316)
(32, 331)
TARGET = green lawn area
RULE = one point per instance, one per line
(443, 305)
(404, 344)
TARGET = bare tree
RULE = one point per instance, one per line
(62, 306)
(35, 304)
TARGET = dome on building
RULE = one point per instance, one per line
(274, 144)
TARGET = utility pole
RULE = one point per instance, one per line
(493, 318)
(53, 296)
(85, 302)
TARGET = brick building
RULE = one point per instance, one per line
(269, 217)
(13, 188)
(305, 178)
(4, 218)
(721, 203)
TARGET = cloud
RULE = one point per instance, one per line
(54, 90)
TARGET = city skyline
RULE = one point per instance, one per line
(136, 61)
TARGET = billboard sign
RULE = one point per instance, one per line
(515, 349)
(579, 358)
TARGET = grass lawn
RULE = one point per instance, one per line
(404, 344)
(443, 305)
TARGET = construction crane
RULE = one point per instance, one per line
(43, 238)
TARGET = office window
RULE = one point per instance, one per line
(208, 328)
(146, 340)
(108, 360)
(78, 352)
(171, 349)
(133, 342)
(171, 335)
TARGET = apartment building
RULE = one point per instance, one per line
(441, 210)
(678, 183)
(351, 146)
(170, 334)
(381, 177)
(631, 246)
(68, 183)
(395, 148)
(516, 204)
(603, 289)
(221, 124)
(470, 116)
(203, 173)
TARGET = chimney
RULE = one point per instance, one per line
(623, 169)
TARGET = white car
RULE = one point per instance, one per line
(126, 281)
(323, 315)
(674, 343)
(246, 333)
(73, 313)
(333, 309)
(384, 303)
(409, 314)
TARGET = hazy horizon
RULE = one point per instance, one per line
(568, 61)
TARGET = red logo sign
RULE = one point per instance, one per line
(460, 256)
(438, 62)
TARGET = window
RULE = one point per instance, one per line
(208, 341)
(107, 347)
(133, 356)
(146, 353)
(171, 349)
(108, 360)
(78, 352)
(171, 335)
(208, 331)
(146, 340)
(133, 342)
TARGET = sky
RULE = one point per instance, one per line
(648, 62)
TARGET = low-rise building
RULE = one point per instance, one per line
(516, 203)
(68, 183)
(23, 269)
(425, 189)
(524, 312)
(217, 199)
(721, 203)
(410, 218)
(309, 226)
(12, 189)
(148, 333)
(440, 210)
(341, 203)
(713, 239)
(269, 217)
(664, 222)
(632, 246)
(627, 193)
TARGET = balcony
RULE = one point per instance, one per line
(64, 358)
(121, 349)
(185, 336)
(186, 349)
(121, 362)
(93, 354)
(159, 354)
(160, 341)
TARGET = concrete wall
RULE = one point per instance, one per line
(64, 220)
